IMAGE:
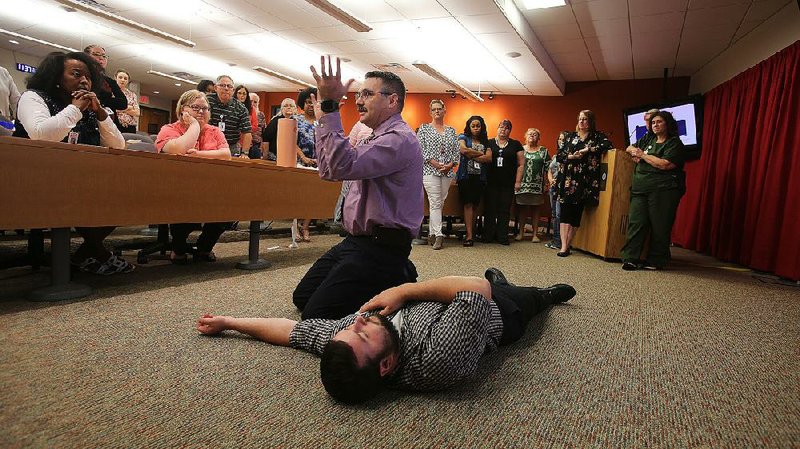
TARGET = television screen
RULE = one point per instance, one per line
(688, 113)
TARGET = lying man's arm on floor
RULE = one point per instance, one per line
(441, 290)
(270, 330)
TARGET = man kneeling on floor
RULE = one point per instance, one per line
(425, 336)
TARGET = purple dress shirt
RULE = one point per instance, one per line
(385, 170)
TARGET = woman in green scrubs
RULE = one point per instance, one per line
(657, 187)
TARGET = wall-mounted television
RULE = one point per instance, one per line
(688, 113)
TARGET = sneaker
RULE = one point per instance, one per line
(649, 266)
(438, 242)
(552, 245)
(111, 266)
(535, 239)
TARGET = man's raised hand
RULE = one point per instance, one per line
(329, 84)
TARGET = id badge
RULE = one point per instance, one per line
(72, 137)
(221, 125)
(476, 165)
(499, 161)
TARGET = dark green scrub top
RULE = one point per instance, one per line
(647, 178)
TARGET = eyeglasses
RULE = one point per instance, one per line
(100, 55)
(197, 108)
(366, 93)
(225, 86)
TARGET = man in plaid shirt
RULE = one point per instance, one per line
(417, 336)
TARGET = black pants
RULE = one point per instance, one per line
(497, 210)
(205, 243)
(349, 275)
(517, 306)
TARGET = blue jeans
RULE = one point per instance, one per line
(555, 208)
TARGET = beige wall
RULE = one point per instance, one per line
(775, 34)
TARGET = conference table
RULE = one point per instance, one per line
(59, 186)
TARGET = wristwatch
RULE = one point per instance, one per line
(329, 106)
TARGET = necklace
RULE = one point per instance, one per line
(499, 145)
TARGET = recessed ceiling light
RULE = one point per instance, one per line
(345, 59)
(513, 54)
(13, 41)
(539, 4)
(178, 84)
(156, 92)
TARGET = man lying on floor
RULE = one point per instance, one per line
(426, 336)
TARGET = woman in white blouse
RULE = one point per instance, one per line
(61, 105)
(440, 154)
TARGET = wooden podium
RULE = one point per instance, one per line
(603, 227)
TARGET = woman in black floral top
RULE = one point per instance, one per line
(578, 180)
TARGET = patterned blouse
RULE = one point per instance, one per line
(579, 179)
(441, 147)
(533, 175)
(305, 136)
(440, 343)
(126, 119)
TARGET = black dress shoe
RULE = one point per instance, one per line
(495, 276)
(562, 253)
(558, 293)
(629, 266)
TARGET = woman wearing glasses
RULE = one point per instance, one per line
(440, 154)
(192, 136)
(109, 94)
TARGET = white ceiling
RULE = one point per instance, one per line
(466, 40)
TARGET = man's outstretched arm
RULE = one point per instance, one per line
(271, 330)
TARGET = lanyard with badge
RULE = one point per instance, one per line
(221, 124)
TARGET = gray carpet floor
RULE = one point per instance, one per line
(701, 355)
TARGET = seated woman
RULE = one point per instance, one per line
(61, 105)
(192, 136)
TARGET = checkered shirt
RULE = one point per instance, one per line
(441, 343)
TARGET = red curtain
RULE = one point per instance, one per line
(742, 202)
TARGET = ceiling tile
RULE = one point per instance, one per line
(550, 16)
(565, 46)
(554, 32)
(657, 22)
(581, 57)
(601, 10)
(609, 44)
(609, 27)
(762, 10)
(468, 7)
(485, 23)
(640, 8)
(418, 9)
(700, 18)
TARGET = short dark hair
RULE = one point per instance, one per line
(347, 382)
(505, 122)
(672, 124)
(202, 86)
(483, 137)
(304, 95)
(393, 83)
(48, 75)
